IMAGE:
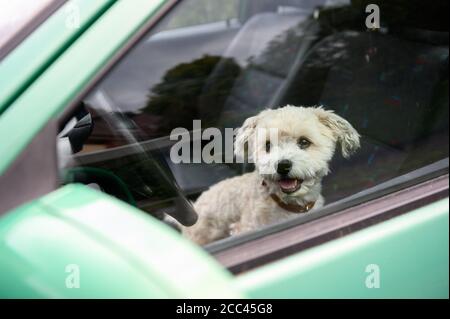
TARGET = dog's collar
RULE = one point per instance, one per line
(298, 209)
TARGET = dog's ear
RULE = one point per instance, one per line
(342, 130)
(245, 135)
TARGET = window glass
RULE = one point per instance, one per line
(197, 12)
(389, 81)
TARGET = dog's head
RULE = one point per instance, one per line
(292, 146)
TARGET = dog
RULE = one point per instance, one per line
(291, 148)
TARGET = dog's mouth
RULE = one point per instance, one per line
(290, 185)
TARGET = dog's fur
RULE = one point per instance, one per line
(244, 203)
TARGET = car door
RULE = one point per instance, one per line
(390, 177)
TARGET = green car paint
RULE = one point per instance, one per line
(408, 254)
(22, 66)
(118, 251)
(69, 74)
(121, 252)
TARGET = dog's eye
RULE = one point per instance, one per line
(304, 143)
(268, 146)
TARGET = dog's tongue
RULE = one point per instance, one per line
(288, 183)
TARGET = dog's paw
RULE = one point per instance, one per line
(234, 229)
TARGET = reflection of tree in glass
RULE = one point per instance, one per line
(308, 51)
(192, 91)
(284, 49)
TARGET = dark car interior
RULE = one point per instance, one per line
(391, 84)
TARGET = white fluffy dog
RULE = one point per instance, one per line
(291, 148)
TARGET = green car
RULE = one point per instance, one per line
(92, 91)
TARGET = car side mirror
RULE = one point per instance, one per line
(80, 133)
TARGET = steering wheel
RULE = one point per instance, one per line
(108, 182)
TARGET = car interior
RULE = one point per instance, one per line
(391, 84)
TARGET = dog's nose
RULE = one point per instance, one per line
(284, 167)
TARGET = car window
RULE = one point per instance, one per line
(190, 74)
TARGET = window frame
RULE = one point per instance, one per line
(331, 222)
(29, 27)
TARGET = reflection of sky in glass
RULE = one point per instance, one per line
(15, 14)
